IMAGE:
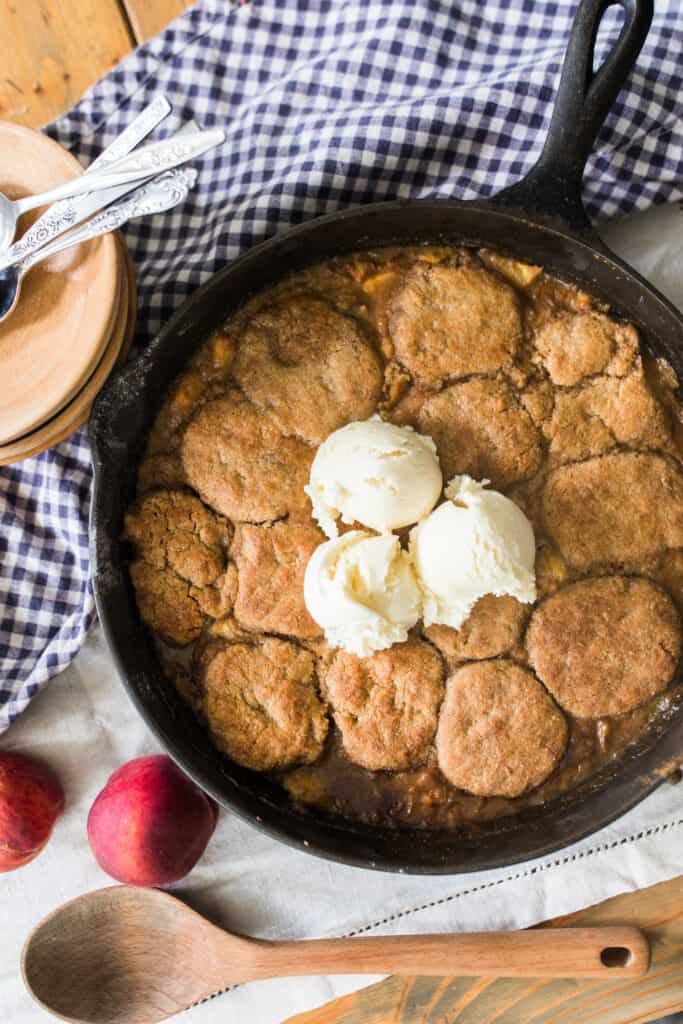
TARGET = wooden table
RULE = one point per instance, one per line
(57, 48)
(52, 50)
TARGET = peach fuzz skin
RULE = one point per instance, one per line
(150, 824)
(31, 800)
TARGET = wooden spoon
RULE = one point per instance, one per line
(136, 956)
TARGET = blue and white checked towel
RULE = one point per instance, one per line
(326, 104)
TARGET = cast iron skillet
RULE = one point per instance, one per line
(541, 220)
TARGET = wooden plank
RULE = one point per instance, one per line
(658, 910)
(52, 50)
(147, 17)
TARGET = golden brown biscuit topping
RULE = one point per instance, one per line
(579, 345)
(493, 627)
(310, 367)
(241, 464)
(262, 704)
(385, 706)
(500, 734)
(270, 562)
(605, 646)
(448, 322)
(614, 510)
(180, 570)
(603, 415)
(480, 429)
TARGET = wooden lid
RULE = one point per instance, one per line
(54, 339)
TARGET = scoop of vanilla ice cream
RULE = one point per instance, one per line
(374, 473)
(362, 591)
(478, 542)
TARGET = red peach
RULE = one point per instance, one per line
(150, 824)
(31, 800)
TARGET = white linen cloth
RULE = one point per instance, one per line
(85, 726)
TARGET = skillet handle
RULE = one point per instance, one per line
(584, 98)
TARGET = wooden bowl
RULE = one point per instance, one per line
(76, 413)
(68, 307)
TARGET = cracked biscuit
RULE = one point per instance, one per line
(270, 562)
(493, 627)
(261, 703)
(241, 464)
(180, 571)
(615, 509)
(575, 346)
(312, 368)
(447, 322)
(385, 706)
(479, 428)
(604, 414)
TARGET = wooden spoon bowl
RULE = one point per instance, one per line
(136, 956)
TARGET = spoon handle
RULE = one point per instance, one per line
(612, 952)
(162, 193)
(65, 213)
(149, 118)
(74, 213)
(140, 164)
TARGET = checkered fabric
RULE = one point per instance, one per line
(326, 104)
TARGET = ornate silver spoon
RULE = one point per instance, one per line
(138, 165)
(67, 213)
(163, 193)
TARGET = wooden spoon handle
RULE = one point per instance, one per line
(560, 953)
